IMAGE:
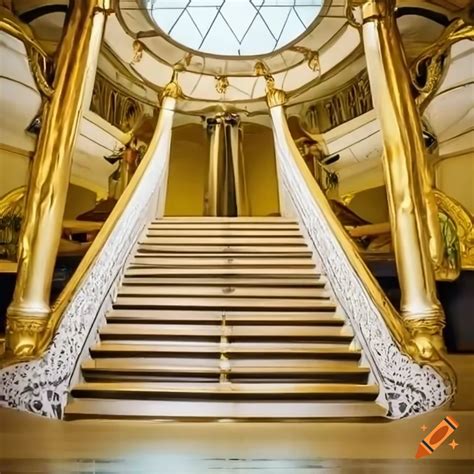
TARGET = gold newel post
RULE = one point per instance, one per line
(402, 160)
(28, 314)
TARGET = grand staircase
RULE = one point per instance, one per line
(224, 318)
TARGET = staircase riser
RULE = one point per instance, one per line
(98, 376)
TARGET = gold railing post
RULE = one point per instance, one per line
(29, 311)
(403, 150)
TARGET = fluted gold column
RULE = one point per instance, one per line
(403, 150)
(49, 179)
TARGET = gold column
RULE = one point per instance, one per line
(403, 150)
(214, 194)
(29, 311)
(226, 193)
(238, 163)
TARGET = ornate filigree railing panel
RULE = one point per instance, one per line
(349, 102)
(116, 106)
(41, 386)
(409, 383)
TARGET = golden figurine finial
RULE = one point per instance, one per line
(312, 57)
(173, 89)
(274, 96)
(222, 83)
(137, 52)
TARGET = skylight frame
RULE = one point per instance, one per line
(322, 4)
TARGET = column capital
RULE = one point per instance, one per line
(172, 89)
(370, 9)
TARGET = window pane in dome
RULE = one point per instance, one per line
(234, 27)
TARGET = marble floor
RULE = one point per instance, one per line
(30, 444)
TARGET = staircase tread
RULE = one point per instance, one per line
(224, 249)
(231, 272)
(140, 366)
(264, 233)
(213, 219)
(231, 262)
(234, 240)
(215, 348)
(228, 388)
(219, 281)
(229, 330)
(216, 410)
(221, 292)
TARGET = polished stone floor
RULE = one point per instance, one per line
(30, 444)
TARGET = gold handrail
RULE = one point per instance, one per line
(86, 263)
(421, 351)
(91, 255)
(12, 25)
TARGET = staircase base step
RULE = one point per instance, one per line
(222, 411)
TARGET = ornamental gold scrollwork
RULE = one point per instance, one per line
(40, 63)
(428, 70)
(25, 333)
(222, 83)
(349, 11)
(137, 52)
(11, 215)
(114, 105)
(464, 226)
(349, 102)
(312, 57)
(274, 95)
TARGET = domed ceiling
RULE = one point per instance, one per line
(299, 42)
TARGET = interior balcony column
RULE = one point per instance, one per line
(40, 235)
(403, 162)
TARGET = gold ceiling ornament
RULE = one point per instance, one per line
(351, 5)
(222, 83)
(187, 59)
(464, 226)
(41, 64)
(429, 69)
(274, 96)
(137, 52)
(172, 89)
(260, 69)
(311, 56)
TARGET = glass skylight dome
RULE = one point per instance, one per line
(234, 27)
